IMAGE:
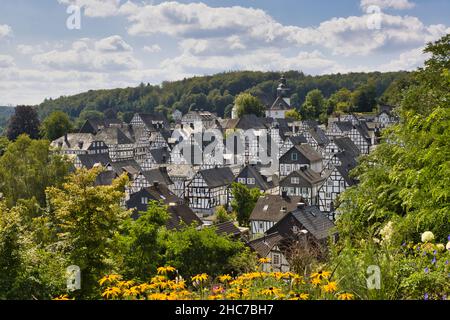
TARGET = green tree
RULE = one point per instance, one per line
(314, 105)
(194, 251)
(405, 180)
(55, 125)
(24, 121)
(244, 201)
(139, 241)
(27, 167)
(248, 104)
(364, 98)
(340, 101)
(222, 215)
(293, 114)
(86, 218)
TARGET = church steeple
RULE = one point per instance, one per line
(283, 89)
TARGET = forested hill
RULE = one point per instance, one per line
(213, 93)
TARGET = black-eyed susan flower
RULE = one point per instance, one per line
(225, 278)
(330, 287)
(111, 293)
(109, 279)
(271, 291)
(200, 277)
(345, 296)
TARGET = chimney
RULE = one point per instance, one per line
(155, 184)
(301, 205)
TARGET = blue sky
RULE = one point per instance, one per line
(122, 43)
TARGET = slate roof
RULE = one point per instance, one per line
(262, 246)
(346, 144)
(308, 152)
(247, 121)
(227, 228)
(344, 126)
(251, 171)
(280, 104)
(149, 118)
(74, 141)
(89, 160)
(217, 177)
(311, 218)
(308, 178)
(105, 178)
(161, 155)
(269, 207)
(159, 175)
(179, 212)
(120, 166)
(114, 135)
(319, 136)
(297, 139)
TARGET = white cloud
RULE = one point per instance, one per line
(5, 30)
(409, 60)
(88, 55)
(384, 4)
(96, 8)
(29, 49)
(152, 49)
(6, 61)
(113, 44)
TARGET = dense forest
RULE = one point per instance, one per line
(217, 93)
(5, 113)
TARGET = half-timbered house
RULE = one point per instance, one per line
(209, 189)
(300, 156)
(304, 183)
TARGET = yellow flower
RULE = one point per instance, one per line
(232, 295)
(321, 275)
(132, 292)
(62, 297)
(158, 279)
(264, 260)
(225, 278)
(330, 287)
(270, 291)
(316, 281)
(200, 277)
(215, 297)
(298, 296)
(346, 296)
(111, 293)
(110, 278)
(165, 270)
(125, 284)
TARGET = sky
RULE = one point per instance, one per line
(50, 48)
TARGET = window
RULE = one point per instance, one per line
(330, 182)
(294, 156)
(295, 180)
(342, 184)
(144, 200)
(250, 180)
(276, 259)
(261, 225)
(242, 180)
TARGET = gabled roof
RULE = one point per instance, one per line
(159, 175)
(217, 177)
(344, 171)
(121, 166)
(89, 160)
(307, 178)
(105, 178)
(346, 144)
(311, 219)
(150, 118)
(251, 171)
(179, 212)
(114, 135)
(227, 228)
(344, 126)
(74, 141)
(161, 155)
(274, 207)
(306, 150)
(319, 136)
(297, 139)
(262, 246)
(247, 121)
(280, 104)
